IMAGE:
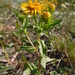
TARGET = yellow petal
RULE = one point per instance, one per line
(35, 0)
(32, 13)
(26, 11)
(35, 11)
(30, 1)
(39, 12)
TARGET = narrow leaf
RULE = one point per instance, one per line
(26, 48)
(27, 72)
(5, 68)
(18, 27)
(20, 16)
(32, 66)
(23, 57)
(55, 22)
(44, 48)
(50, 25)
(27, 65)
(25, 23)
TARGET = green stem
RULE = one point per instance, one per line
(38, 37)
(35, 20)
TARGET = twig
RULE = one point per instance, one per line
(14, 57)
(60, 60)
(30, 42)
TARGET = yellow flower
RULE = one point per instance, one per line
(32, 7)
(52, 7)
(55, 2)
(46, 15)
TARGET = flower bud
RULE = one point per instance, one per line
(52, 7)
(46, 15)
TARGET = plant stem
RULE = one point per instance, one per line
(38, 37)
(30, 42)
(35, 20)
(36, 51)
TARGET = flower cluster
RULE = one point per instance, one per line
(34, 7)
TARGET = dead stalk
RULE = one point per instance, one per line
(5, 52)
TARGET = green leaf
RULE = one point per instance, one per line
(23, 57)
(16, 13)
(11, 44)
(5, 68)
(54, 73)
(26, 48)
(26, 63)
(49, 59)
(27, 72)
(25, 23)
(37, 29)
(15, 34)
(32, 66)
(50, 25)
(19, 27)
(20, 16)
(43, 48)
(62, 72)
(55, 22)
(45, 59)
(34, 69)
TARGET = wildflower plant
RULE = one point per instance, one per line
(44, 10)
